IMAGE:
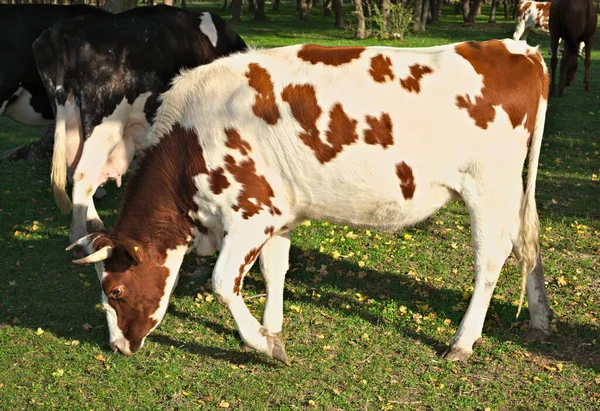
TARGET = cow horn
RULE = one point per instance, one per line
(82, 241)
(100, 255)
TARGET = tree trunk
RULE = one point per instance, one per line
(420, 14)
(327, 8)
(473, 12)
(385, 14)
(465, 10)
(224, 5)
(117, 6)
(339, 15)
(436, 11)
(303, 10)
(276, 4)
(236, 11)
(251, 6)
(360, 19)
(260, 15)
(492, 18)
(183, 4)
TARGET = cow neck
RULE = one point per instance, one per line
(159, 196)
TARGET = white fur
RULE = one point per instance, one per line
(208, 28)
(21, 110)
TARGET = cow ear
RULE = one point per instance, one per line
(133, 252)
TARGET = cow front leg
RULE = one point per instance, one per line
(274, 264)
(240, 250)
(85, 181)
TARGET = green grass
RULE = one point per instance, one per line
(365, 312)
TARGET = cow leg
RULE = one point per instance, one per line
(274, 263)
(94, 156)
(540, 312)
(240, 249)
(554, 40)
(493, 218)
(588, 61)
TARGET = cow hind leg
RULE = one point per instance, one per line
(588, 61)
(240, 249)
(274, 263)
(494, 220)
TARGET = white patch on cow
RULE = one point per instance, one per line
(116, 336)
(208, 28)
(172, 263)
(22, 112)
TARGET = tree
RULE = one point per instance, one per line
(236, 11)
(360, 19)
(385, 11)
(473, 10)
(117, 6)
(420, 14)
(327, 8)
(259, 13)
(339, 15)
(303, 10)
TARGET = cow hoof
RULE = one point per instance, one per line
(455, 354)
(535, 334)
(277, 348)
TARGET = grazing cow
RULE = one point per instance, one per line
(249, 146)
(104, 74)
(573, 21)
(533, 16)
(22, 94)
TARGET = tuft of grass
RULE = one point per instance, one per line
(365, 312)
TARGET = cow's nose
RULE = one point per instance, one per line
(121, 346)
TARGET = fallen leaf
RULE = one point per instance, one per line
(209, 298)
(39, 331)
(225, 404)
(87, 326)
(58, 373)
(100, 357)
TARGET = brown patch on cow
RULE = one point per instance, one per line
(514, 82)
(380, 131)
(330, 56)
(412, 83)
(235, 141)
(248, 261)
(269, 230)
(265, 106)
(225, 234)
(306, 110)
(254, 187)
(78, 177)
(542, 17)
(218, 181)
(381, 68)
(407, 180)
(522, 7)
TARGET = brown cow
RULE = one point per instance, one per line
(573, 21)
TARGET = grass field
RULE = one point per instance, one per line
(365, 315)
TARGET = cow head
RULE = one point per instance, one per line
(137, 281)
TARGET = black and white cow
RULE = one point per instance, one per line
(104, 75)
(22, 94)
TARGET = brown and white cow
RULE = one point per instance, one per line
(533, 16)
(250, 145)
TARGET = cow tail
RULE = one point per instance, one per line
(529, 232)
(58, 175)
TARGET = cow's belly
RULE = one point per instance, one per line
(21, 110)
